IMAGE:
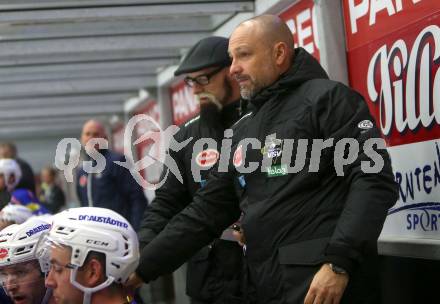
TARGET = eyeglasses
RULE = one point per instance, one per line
(201, 79)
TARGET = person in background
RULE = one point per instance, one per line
(27, 180)
(114, 188)
(51, 196)
(5, 196)
(25, 197)
(10, 174)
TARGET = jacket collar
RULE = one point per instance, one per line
(304, 67)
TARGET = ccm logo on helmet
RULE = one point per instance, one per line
(97, 243)
(38, 229)
(102, 219)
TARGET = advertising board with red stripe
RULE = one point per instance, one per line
(150, 148)
(302, 21)
(184, 104)
(393, 53)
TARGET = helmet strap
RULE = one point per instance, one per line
(88, 291)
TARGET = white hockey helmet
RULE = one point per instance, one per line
(11, 172)
(16, 214)
(48, 218)
(18, 243)
(20, 269)
(92, 229)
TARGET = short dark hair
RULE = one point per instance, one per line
(9, 146)
(101, 258)
(52, 171)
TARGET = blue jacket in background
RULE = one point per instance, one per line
(114, 189)
(28, 199)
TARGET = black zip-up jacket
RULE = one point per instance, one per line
(293, 223)
(214, 272)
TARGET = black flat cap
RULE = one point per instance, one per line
(208, 52)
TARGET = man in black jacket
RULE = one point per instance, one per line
(316, 204)
(213, 274)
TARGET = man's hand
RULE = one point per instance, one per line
(327, 287)
(133, 283)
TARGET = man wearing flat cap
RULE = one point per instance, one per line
(213, 274)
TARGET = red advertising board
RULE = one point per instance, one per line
(184, 104)
(302, 21)
(395, 65)
(370, 20)
(393, 53)
(150, 148)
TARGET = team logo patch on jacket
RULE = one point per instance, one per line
(207, 158)
(238, 156)
(365, 124)
(273, 148)
(278, 170)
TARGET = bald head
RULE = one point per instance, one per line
(92, 129)
(262, 49)
(271, 30)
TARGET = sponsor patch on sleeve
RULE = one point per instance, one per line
(365, 124)
(207, 158)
